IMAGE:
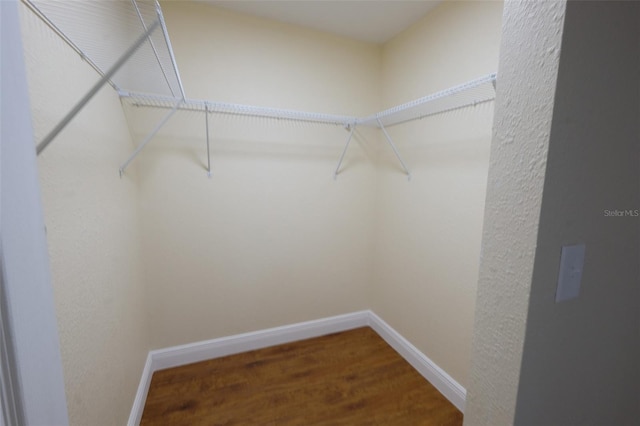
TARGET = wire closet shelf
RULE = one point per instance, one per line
(469, 94)
(146, 75)
(101, 31)
(472, 93)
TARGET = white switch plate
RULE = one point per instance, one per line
(571, 265)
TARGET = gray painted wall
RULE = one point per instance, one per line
(581, 357)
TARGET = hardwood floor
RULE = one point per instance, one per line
(348, 378)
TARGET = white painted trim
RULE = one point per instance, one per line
(451, 389)
(31, 361)
(141, 395)
(200, 351)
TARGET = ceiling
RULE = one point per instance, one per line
(375, 21)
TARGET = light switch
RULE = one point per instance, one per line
(571, 265)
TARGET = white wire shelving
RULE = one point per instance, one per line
(469, 94)
(146, 75)
(464, 95)
(167, 102)
(100, 31)
(126, 42)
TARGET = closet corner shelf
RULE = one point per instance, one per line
(156, 83)
(472, 93)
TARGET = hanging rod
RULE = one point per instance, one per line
(77, 24)
(96, 87)
(167, 102)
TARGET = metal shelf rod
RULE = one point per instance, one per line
(206, 120)
(105, 78)
(395, 150)
(165, 33)
(153, 46)
(148, 138)
(66, 39)
(335, 174)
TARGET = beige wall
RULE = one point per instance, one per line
(92, 232)
(271, 238)
(428, 230)
(529, 51)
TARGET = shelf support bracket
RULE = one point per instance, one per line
(103, 80)
(165, 33)
(395, 149)
(352, 128)
(153, 46)
(149, 137)
(206, 121)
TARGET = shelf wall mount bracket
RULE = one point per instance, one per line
(92, 92)
(351, 128)
(206, 122)
(149, 137)
(394, 148)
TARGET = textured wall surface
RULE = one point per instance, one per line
(92, 231)
(428, 230)
(580, 362)
(271, 238)
(529, 56)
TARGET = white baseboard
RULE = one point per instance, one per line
(141, 394)
(200, 351)
(447, 386)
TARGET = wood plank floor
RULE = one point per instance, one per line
(348, 378)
